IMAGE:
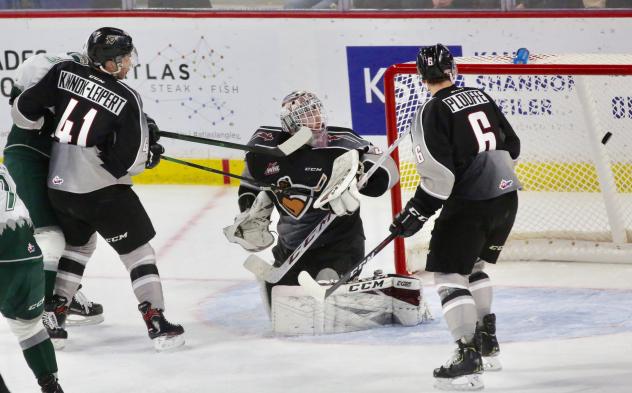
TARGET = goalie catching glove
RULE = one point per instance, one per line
(341, 192)
(409, 221)
(251, 227)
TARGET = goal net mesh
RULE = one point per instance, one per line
(576, 202)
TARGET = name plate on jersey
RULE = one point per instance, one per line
(465, 100)
(91, 91)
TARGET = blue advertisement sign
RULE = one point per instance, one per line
(366, 66)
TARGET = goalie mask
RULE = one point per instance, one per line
(436, 64)
(304, 109)
(111, 44)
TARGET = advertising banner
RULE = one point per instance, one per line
(223, 77)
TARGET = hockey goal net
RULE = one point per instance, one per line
(576, 204)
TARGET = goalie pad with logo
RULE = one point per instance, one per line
(358, 305)
(251, 227)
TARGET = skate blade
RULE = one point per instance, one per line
(82, 320)
(492, 363)
(471, 382)
(58, 343)
(168, 343)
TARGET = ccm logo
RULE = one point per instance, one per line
(366, 285)
(36, 305)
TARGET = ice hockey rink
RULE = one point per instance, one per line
(563, 327)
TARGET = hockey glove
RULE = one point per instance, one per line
(341, 192)
(408, 222)
(154, 131)
(251, 228)
(153, 156)
(155, 149)
(348, 202)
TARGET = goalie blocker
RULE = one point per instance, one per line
(359, 305)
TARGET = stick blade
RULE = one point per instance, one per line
(297, 140)
(257, 266)
(311, 287)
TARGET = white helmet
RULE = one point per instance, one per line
(302, 108)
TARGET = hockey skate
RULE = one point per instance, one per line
(49, 384)
(489, 348)
(463, 371)
(54, 316)
(164, 334)
(83, 312)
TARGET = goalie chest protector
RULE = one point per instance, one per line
(307, 168)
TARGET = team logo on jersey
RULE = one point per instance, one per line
(30, 248)
(296, 204)
(57, 180)
(505, 184)
(266, 136)
(272, 168)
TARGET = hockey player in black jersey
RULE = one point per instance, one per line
(309, 168)
(465, 150)
(102, 138)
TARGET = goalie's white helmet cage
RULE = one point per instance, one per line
(302, 108)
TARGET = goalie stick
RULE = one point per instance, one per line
(264, 271)
(286, 148)
(258, 185)
(319, 292)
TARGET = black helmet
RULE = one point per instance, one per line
(435, 63)
(108, 43)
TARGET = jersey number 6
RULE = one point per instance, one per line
(63, 131)
(482, 131)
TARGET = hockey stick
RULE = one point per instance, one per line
(264, 271)
(286, 148)
(258, 185)
(319, 292)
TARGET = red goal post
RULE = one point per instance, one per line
(577, 199)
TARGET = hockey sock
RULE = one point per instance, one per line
(459, 309)
(49, 283)
(51, 241)
(481, 289)
(36, 345)
(141, 265)
(41, 358)
(71, 267)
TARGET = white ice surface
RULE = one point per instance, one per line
(563, 327)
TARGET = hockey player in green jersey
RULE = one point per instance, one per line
(22, 285)
(26, 156)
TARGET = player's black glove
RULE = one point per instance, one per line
(408, 222)
(155, 148)
(153, 157)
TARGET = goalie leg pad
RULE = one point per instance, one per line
(359, 305)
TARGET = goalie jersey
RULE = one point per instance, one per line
(102, 136)
(309, 168)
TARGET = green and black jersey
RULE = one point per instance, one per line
(17, 243)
